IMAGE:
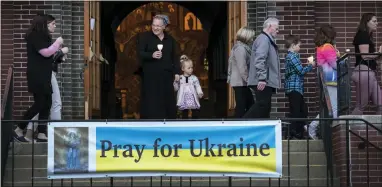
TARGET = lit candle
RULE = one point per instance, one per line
(160, 47)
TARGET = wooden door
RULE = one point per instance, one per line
(92, 79)
(237, 18)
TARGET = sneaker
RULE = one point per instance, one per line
(41, 137)
(312, 133)
(19, 132)
(29, 140)
(23, 139)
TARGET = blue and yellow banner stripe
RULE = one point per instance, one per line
(176, 148)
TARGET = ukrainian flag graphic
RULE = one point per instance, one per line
(210, 149)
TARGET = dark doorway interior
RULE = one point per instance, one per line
(213, 16)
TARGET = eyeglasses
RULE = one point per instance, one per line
(158, 26)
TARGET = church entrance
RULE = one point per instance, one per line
(203, 31)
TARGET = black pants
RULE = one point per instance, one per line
(297, 109)
(42, 104)
(263, 104)
(158, 99)
(195, 114)
(244, 100)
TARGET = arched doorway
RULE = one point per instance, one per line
(186, 29)
(220, 19)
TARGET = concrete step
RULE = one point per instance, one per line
(294, 146)
(296, 172)
(40, 161)
(175, 181)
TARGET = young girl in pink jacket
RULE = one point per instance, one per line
(326, 56)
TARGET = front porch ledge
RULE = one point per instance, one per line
(376, 120)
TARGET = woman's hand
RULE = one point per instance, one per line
(157, 54)
(65, 50)
(60, 40)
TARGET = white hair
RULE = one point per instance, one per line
(270, 21)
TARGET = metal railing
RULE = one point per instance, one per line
(307, 172)
(344, 91)
(6, 114)
(344, 102)
(345, 69)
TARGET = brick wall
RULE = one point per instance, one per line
(345, 16)
(6, 40)
(301, 18)
(16, 17)
(357, 157)
(296, 17)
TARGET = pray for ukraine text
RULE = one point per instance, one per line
(205, 149)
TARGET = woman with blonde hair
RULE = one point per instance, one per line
(238, 65)
(188, 88)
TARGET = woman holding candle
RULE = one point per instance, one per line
(157, 52)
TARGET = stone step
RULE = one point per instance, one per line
(40, 174)
(40, 161)
(294, 146)
(195, 181)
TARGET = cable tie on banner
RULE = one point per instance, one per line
(164, 121)
(222, 120)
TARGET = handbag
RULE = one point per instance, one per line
(57, 57)
(331, 77)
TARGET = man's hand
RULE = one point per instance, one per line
(177, 78)
(157, 54)
(380, 49)
(261, 85)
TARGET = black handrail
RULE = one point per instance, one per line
(325, 126)
(344, 101)
(289, 177)
(6, 114)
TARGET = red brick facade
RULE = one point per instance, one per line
(358, 161)
(15, 19)
(300, 18)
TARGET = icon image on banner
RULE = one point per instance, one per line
(71, 149)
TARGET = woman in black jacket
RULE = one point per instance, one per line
(40, 51)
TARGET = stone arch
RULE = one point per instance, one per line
(192, 42)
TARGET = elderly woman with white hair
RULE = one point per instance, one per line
(157, 53)
(238, 65)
